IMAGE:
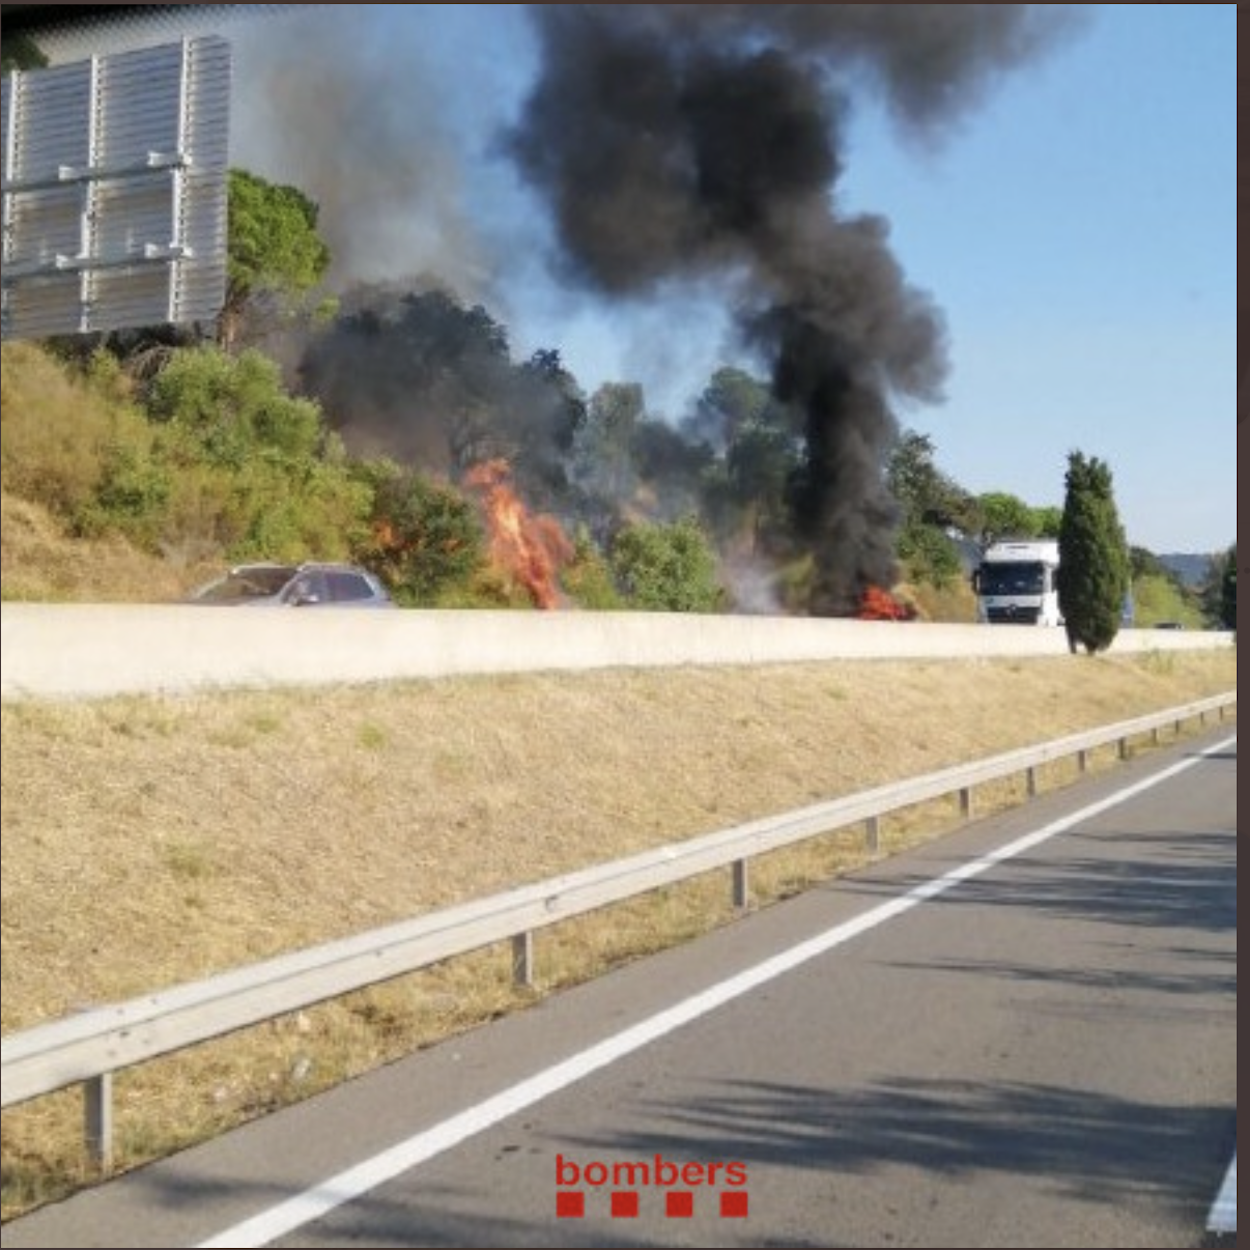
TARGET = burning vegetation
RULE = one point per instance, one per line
(876, 604)
(528, 549)
(683, 146)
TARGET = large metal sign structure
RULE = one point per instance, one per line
(114, 190)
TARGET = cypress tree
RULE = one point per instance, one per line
(1094, 568)
(1228, 590)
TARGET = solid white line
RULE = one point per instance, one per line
(348, 1185)
(1223, 1215)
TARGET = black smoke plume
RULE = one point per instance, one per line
(688, 141)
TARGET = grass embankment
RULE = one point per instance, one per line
(39, 564)
(148, 842)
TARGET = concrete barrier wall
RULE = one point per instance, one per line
(89, 650)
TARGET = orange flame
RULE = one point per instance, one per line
(876, 604)
(530, 549)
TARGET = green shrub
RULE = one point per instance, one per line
(667, 568)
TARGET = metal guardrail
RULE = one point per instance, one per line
(89, 1047)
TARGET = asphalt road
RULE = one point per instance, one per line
(1021, 1035)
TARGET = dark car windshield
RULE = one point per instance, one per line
(250, 583)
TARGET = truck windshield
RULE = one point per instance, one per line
(1013, 578)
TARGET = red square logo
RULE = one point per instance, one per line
(678, 1205)
(624, 1206)
(570, 1204)
(733, 1203)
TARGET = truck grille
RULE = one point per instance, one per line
(1012, 616)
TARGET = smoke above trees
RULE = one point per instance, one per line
(666, 145)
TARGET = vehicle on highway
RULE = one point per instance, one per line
(1016, 583)
(308, 585)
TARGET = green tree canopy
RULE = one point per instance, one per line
(922, 490)
(587, 578)
(605, 442)
(759, 464)
(1219, 594)
(432, 383)
(933, 505)
(237, 407)
(1003, 516)
(233, 464)
(20, 51)
(667, 568)
(670, 470)
(1144, 563)
(732, 399)
(275, 255)
(1047, 521)
(426, 540)
(1094, 565)
(1228, 590)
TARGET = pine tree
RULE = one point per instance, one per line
(1094, 568)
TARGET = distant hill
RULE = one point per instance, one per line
(1190, 566)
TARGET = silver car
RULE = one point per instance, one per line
(295, 586)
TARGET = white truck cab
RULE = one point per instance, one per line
(1015, 583)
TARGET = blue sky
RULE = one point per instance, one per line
(1080, 234)
(1077, 229)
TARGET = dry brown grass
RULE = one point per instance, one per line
(52, 431)
(55, 429)
(150, 841)
(38, 563)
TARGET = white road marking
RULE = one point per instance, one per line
(1223, 1215)
(311, 1204)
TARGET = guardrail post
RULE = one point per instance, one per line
(1082, 760)
(1030, 781)
(741, 884)
(872, 833)
(98, 1120)
(523, 958)
(1154, 735)
(34, 1061)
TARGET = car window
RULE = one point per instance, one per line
(261, 581)
(308, 587)
(240, 585)
(349, 587)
